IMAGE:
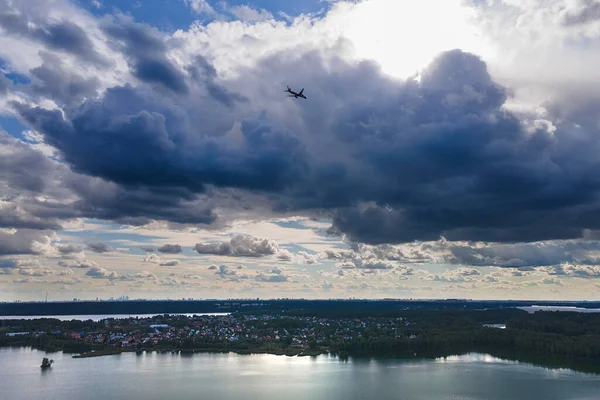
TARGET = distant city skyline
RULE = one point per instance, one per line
(446, 149)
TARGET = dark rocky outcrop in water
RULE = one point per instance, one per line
(46, 363)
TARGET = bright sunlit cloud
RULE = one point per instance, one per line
(404, 36)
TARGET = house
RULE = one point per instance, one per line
(11, 334)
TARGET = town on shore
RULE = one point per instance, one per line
(567, 339)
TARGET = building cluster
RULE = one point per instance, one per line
(296, 332)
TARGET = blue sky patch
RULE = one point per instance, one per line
(171, 15)
(166, 15)
(291, 225)
(110, 235)
(291, 8)
(11, 75)
(295, 248)
(13, 126)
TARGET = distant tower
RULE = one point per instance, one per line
(46, 296)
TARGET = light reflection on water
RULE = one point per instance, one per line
(473, 357)
(229, 376)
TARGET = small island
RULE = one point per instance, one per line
(46, 363)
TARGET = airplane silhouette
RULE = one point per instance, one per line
(294, 94)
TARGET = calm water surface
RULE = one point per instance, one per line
(265, 377)
(534, 308)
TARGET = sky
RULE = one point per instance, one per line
(446, 149)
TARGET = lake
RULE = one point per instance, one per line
(535, 308)
(230, 376)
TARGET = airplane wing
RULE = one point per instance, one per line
(301, 91)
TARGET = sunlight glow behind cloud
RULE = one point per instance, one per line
(405, 36)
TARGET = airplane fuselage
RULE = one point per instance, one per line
(296, 95)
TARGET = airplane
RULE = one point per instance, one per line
(294, 94)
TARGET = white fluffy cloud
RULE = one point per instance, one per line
(580, 271)
(200, 6)
(239, 246)
(301, 257)
(248, 14)
(101, 273)
(82, 263)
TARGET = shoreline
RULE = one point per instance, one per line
(286, 352)
(582, 365)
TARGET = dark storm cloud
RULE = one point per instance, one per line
(170, 249)
(64, 87)
(133, 206)
(68, 36)
(21, 167)
(523, 255)
(146, 50)
(138, 137)
(62, 35)
(12, 217)
(25, 176)
(26, 173)
(78, 138)
(393, 161)
(203, 71)
(458, 165)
